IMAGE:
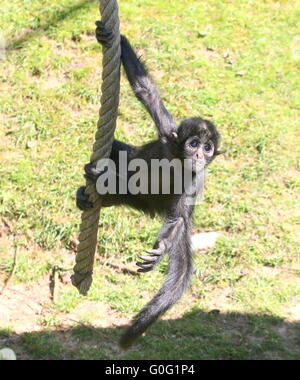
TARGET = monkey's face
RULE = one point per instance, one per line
(199, 152)
(199, 141)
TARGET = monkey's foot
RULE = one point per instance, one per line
(104, 36)
(91, 172)
(82, 200)
(155, 257)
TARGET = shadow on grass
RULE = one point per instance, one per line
(57, 17)
(198, 335)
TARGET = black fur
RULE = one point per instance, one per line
(189, 140)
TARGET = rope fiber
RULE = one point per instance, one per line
(83, 269)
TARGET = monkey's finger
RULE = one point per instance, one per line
(145, 265)
(145, 270)
(91, 172)
(91, 169)
(82, 200)
(155, 252)
(99, 23)
(102, 30)
(148, 258)
(105, 32)
(80, 194)
(84, 205)
(104, 35)
(105, 43)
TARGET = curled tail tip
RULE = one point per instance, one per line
(175, 285)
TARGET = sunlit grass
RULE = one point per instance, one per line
(231, 61)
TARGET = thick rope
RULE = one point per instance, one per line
(83, 270)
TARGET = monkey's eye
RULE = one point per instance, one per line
(194, 143)
(208, 147)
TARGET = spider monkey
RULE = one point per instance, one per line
(195, 139)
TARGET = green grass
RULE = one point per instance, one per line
(232, 61)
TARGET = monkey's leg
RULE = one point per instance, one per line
(93, 173)
(83, 203)
(169, 232)
(104, 36)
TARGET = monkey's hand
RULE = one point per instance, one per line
(104, 36)
(155, 256)
(170, 231)
(82, 200)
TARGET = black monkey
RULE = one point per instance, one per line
(195, 139)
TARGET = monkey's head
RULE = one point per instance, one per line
(197, 140)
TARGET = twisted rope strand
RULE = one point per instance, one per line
(83, 269)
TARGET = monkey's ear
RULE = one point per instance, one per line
(174, 135)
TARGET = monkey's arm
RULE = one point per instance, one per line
(170, 232)
(145, 90)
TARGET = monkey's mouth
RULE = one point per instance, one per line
(194, 165)
(197, 166)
